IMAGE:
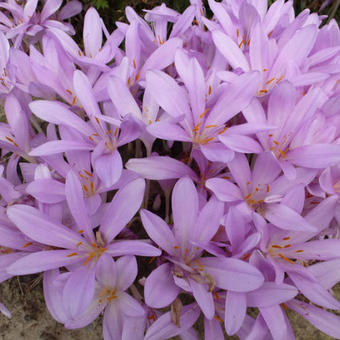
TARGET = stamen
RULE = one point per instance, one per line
(237, 33)
(27, 244)
(79, 53)
(270, 135)
(276, 246)
(116, 132)
(88, 259)
(80, 231)
(152, 259)
(204, 112)
(263, 91)
(265, 70)
(216, 295)
(85, 188)
(97, 120)
(134, 64)
(286, 258)
(210, 126)
(72, 254)
(269, 34)
(92, 187)
(207, 140)
(69, 91)
(137, 76)
(268, 188)
(300, 251)
(12, 141)
(246, 257)
(287, 246)
(286, 238)
(223, 130)
(248, 196)
(79, 244)
(129, 80)
(218, 318)
(5, 72)
(197, 126)
(176, 247)
(279, 79)
(74, 100)
(88, 173)
(269, 81)
(209, 91)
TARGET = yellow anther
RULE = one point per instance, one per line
(88, 173)
(69, 92)
(210, 126)
(27, 244)
(286, 258)
(300, 251)
(85, 188)
(74, 100)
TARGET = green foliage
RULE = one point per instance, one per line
(101, 4)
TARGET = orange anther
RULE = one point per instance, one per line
(27, 244)
(72, 254)
(286, 258)
(80, 231)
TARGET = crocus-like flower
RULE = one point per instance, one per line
(187, 269)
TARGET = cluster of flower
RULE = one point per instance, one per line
(243, 112)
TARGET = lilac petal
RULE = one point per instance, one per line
(92, 34)
(270, 294)
(239, 143)
(106, 271)
(87, 317)
(314, 291)
(112, 323)
(58, 113)
(127, 269)
(235, 311)
(316, 250)
(123, 207)
(258, 330)
(160, 167)
(162, 57)
(5, 311)
(192, 75)
(109, 168)
(230, 50)
(212, 330)
(204, 298)
(164, 328)
(59, 146)
(168, 131)
(134, 327)
(133, 247)
(40, 228)
(41, 261)
(233, 274)
(326, 273)
(325, 321)
(315, 156)
(158, 231)
(53, 285)
(70, 9)
(164, 89)
(286, 218)
(239, 168)
(160, 289)
(30, 8)
(236, 96)
(217, 152)
(129, 306)
(51, 6)
(277, 322)
(84, 92)
(266, 169)
(78, 291)
(47, 190)
(184, 209)
(224, 190)
(76, 203)
(130, 129)
(122, 98)
(209, 215)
